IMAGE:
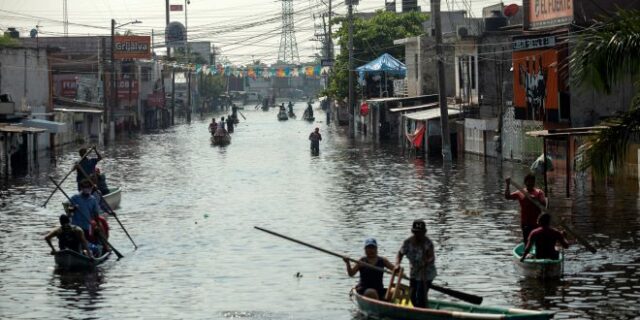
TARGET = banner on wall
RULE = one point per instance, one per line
(535, 83)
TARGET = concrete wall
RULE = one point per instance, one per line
(429, 68)
(24, 74)
(495, 80)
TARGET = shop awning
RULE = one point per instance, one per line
(51, 126)
(415, 108)
(385, 63)
(77, 110)
(429, 114)
(19, 129)
(558, 133)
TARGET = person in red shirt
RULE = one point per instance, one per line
(545, 239)
(529, 212)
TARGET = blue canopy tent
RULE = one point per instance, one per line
(383, 65)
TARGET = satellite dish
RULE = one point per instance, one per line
(33, 33)
(511, 10)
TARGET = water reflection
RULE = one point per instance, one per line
(76, 287)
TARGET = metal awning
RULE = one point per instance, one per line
(77, 110)
(51, 126)
(563, 133)
(400, 99)
(19, 129)
(429, 114)
(414, 108)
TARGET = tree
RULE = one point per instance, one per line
(607, 54)
(211, 86)
(371, 38)
(7, 41)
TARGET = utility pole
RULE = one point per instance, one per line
(188, 74)
(114, 84)
(351, 104)
(166, 24)
(442, 90)
(105, 101)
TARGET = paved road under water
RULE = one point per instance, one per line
(191, 207)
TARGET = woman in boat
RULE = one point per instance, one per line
(545, 239)
(70, 237)
(420, 252)
(370, 284)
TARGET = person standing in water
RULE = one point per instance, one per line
(315, 137)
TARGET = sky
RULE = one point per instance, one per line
(242, 30)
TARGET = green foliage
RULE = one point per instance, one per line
(372, 38)
(607, 54)
(6, 41)
(211, 86)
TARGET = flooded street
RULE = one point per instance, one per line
(191, 208)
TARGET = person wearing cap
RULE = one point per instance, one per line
(370, 284)
(544, 238)
(419, 250)
(315, 137)
(70, 237)
(87, 164)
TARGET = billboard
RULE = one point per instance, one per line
(548, 13)
(132, 47)
(68, 88)
(536, 85)
(127, 89)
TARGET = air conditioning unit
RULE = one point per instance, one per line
(466, 31)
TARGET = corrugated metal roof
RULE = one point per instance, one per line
(429, 114)
(80, 110)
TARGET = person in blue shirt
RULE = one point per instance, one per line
(85, 208)
(87, 164)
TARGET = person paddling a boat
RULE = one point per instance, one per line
(87, 164)
(529, 212)
(370, 284)
(421, 254)
(230, 124)
(544, 238)
(70, 237)
(85, 210)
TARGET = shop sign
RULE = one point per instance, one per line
(536, 43)
(549, 13)
(132, 47)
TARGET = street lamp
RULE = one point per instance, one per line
(114, 83)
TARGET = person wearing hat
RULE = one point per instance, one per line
(370, 284)
(419, 250)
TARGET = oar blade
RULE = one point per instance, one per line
(467, 297)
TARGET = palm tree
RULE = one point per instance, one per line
(606, 55)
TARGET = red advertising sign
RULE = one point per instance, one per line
(132, 47)
(549, 13)
(68, 88)
(155, 100)
(128, 89)
(175, 7)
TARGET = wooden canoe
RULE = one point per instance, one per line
(71, 260)
(282, 116)
(440, 310)
(221, 140)
(537, 268)
(307, 117)
(113, 198)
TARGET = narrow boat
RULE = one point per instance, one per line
(307, 117)
(113, 198)
(219, 140)
(282, 116)
(402, 310)
(291, 115)
(537, 268)
(71, 260)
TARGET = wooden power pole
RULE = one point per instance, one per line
(442, 89)
(351, 102)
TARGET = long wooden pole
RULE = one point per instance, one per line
(454, 293)
(99, 234)
(67, 175)
(580, 239)
(109, 210)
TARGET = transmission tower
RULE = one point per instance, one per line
(288, 52)
(65, 18)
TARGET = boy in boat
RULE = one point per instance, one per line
(420, 252)
(370, 284)
(70, 237)
(101, 182)
(315, 137)
(529, 212)
(85, 213)
(213, 126)
(87, 164)
(545, 239)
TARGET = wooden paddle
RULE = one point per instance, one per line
(99, 234)
(535, 201)
(454, 293)
(243, 117)
(67, 175)
(109, 210)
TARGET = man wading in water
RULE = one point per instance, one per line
(315, 138)
(419, 250)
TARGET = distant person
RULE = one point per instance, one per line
(230, 124)
(290, 107)
(529, 212)
(101, 182)
(282, 108)
(309, 110)
(421, 254)
(370, 284)
(544, 238)
(70, 237)
(315, 137)
(221, 124)
(87, 164)
(213, 126)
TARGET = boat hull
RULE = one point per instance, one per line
(71, 260)
(113, 198)
(221, 140)
(282, 116)
(440, 310)
(537, 268)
